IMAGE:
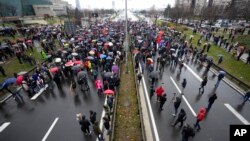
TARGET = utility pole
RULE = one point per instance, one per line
(126, 38)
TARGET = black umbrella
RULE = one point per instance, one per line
(108, 74)
(154, 74)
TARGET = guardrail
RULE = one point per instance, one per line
(19, 88)
(237, 81)
(139, 102)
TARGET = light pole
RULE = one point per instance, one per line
(126, 35)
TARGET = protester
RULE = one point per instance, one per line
(211, 101)
(180, 118)
(163, 99)
(203, 84)
(177, 103)
(199, 118)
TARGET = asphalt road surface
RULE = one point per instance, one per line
(52, 116)
(225, 111)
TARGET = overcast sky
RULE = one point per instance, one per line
(120, 4)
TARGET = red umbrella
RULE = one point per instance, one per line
(53, 70)
(109, 92)
(161, 32)
(70, 63)
(29, 41)
(19, 79)
(77, 62)
(106, 44)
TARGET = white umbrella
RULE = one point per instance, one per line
(110, 44)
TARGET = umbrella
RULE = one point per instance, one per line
(210, 58)
(58, 60)
(161, 32)
(109, 92)
(110, 44)
(19, 79)
(109, 58)
(63, 40)
(106, 44)
(8, 81)
(108, 74)
(111, 53)
(81, 74)
(77, 62)
(90, 58)
(115, 68)
(103, 56)
(172, 49)
(99, 43)
(154, 74)
(74, 54)
(92, 52)
(76, 67)
(29, 41)
(135, 51)
(150, 59)
(22, 73)
(53, 70)
(70, 63)
(220, 55)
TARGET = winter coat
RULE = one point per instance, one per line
(201, 114)
(159, 91)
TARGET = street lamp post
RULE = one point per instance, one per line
(126, 35)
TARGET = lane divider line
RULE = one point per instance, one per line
(50, 129)
(238, 115)
(3, 126)
(149, 106)
(40, 92)
(189, 106)
(196, 75)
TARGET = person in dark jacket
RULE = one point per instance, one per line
(2, 71)
(187, 132)
(177, 103)
(203, 84)
(163, 99)
(181, 118)
(106, 124)
(84, 125)
(246, 97)
(211, 101)
(184, 84)
(92, 116)
(221, 75)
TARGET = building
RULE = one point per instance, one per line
(196, 5)
(78, 6)
(221, 3)
(199, 5)
(41, 10)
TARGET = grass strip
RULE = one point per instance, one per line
(127, 124)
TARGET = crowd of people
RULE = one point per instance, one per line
(82, 56)
(158, 47)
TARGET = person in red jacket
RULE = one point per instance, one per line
(200, 117)
(159, 92)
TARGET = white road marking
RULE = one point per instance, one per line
(103, 114)
(50, 129)
(196, 75)
(2, 127)
(189, 106)
(150, 108)
(40, 92)
(239, 116)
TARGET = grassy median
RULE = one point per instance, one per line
(127, 124)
